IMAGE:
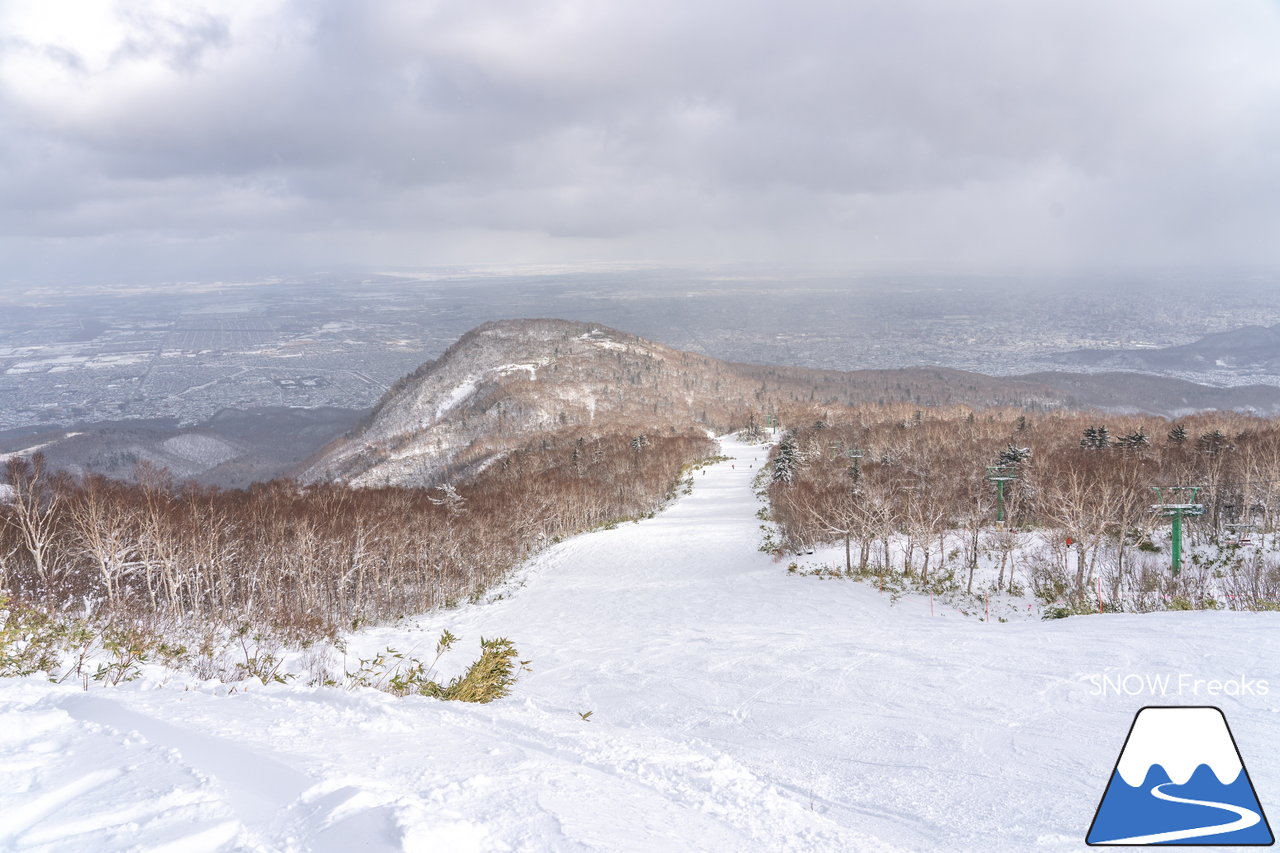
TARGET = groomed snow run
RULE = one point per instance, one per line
(734, 708)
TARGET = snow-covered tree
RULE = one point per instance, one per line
(1213, 442)
(752, 433)
(1133, 440)
(1096, 438)
(1013, 455)
(786, 462)
(449, 498)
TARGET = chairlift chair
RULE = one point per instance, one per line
(1239, 534)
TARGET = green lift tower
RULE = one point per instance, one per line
(1176, 503)
(1001, 474)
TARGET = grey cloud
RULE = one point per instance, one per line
(983, 132)
(182, 44)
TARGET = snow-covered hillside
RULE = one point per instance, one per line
(506, 382)
(733, 707)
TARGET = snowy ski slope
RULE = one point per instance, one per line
(733, 708)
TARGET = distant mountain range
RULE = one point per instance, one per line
(1137, 393)
(1255, 348)
(233, 448)
(506, 384)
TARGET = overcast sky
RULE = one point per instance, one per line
(194, 139)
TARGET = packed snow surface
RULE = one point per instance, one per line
(464, 390)
(733, 707)
(200, 448)
(461, 392)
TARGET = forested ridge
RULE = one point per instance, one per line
(316, 558)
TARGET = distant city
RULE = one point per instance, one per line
(185, 351)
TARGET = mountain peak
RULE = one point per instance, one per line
(501, 383)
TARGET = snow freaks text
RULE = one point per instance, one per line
(1182, 684)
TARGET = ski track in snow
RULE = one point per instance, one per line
(734, 708)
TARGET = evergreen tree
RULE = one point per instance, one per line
(1012, 455)
(1178, 434)
(752, 433)
(1096, 438)
(1134, 440)
(1212, 442)
(786, 462)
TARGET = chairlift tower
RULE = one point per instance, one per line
(1001, 474)
(1177, 502)
(771, 421)
(855, 455)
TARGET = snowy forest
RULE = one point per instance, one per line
(314, 560)
(916, 492)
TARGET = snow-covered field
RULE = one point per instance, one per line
(733, 707)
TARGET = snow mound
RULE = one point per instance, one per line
(204, 449)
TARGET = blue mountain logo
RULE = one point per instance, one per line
(1180, 780)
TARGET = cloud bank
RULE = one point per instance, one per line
(174, 138)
